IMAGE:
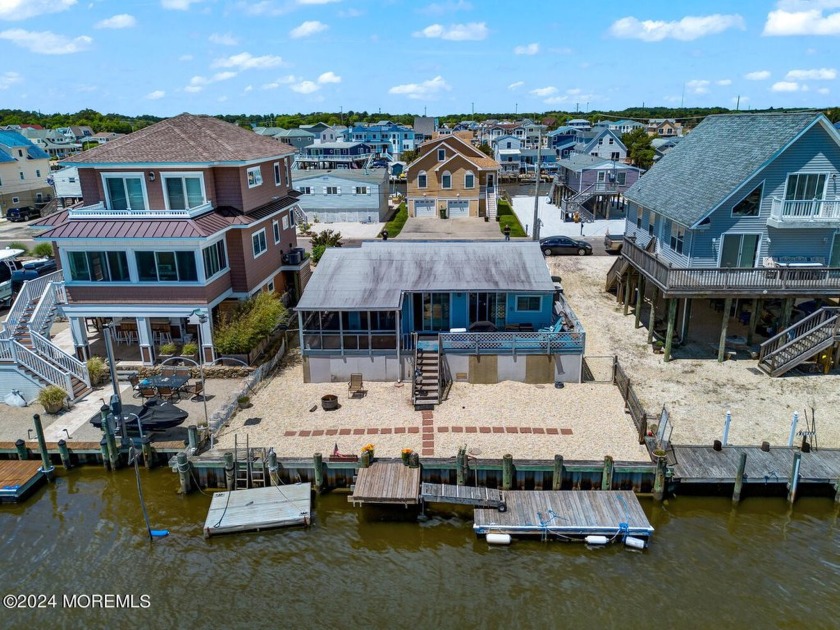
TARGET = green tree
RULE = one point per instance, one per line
(485, 148)
(638, 148)
(321, 241)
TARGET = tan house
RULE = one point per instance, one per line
(452, 179)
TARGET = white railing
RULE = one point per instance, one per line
(55, 355)
(299, 215)
(805, 210)
(564, 342)
(30, 290)
(11, 349)
(492, 204)
(99, 211)
(42, 317)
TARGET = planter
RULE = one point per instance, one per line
(164, 357)
(53, 408)
(406, 458)
(329, 402)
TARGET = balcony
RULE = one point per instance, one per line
(733, 281)
(787, 213)
(513, 343)
(99, 211)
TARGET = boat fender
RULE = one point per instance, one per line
(498, 539)
(596, 540)
(634, 543)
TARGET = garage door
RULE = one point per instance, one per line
(424, 209)
(459, 209)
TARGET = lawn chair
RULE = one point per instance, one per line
(195, 390)
(147, 391)
(135, 385)
(168, 371)
(356, 389)
(168, 392)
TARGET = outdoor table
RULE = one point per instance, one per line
(177, 381)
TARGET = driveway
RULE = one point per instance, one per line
(448, 229)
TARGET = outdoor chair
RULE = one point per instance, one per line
(148, 392)
(195, 390)
(135, 384)
(168, 371)
(356, 387)
(168, 392)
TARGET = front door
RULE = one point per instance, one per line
(739, 250)
(488, 307)
(431, 312)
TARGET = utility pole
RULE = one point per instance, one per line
(536, 232)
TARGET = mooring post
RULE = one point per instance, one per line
(113, 453)
(640, 300)
(414, 460)
(229, 476)
(793, 422)
(739, 478)
(274, 468)
(318, 461)
(652, 314)
(461, 467)
(507, 472)
(22, 451)
(727, 306)
(146, 448)
(64, 453)
(672, 321)
(46, 465)
(183, 472)
(659, 481)
(192, 438)
(794, 477)
(103, 448)
(727, 421)
(365, 459)
(607, 475)
(557, 479)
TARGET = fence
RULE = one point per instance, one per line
(598, 369)
(637, 412)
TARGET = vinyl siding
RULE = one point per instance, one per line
(346, 206)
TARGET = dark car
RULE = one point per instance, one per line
(31, 270)
(558, 245)
(22, 214)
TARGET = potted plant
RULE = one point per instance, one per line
(167, 351)
(658, 347)
(368, 448)
(52, 398)
(189, 350)
(244, 402)
(406, 456)
(97, 370)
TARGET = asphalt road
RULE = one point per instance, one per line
(16, 232)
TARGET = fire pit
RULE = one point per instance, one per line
(329, 402)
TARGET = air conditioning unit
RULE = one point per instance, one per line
(294, 257)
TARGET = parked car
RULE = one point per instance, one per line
(22, 214)
(32, 269)
(558, 245)
(613, 242)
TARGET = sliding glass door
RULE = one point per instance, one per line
(739, 250)
(431, 312)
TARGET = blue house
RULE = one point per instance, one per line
(387, 139)
(744, 211)
(342, 195)
(433, 312)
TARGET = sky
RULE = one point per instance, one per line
(164, 57)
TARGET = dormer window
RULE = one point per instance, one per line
(441, 155)
(254, 177)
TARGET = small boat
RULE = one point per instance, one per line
(155, 414)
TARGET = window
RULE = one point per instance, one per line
(446, 180)
(651, 223)
(530, 303)
(270, 287)
(37, 172)
(469, 180)
(254, 177)
(258, 243)
(639, 218)
(749, 206)
(72, 180)
(615, 155)
(285, 221)
(277, 173)
(331, 190)
(98, 266)
(125, 192)
(602, 176)
(183, 191)
(214, 259)
(21, 175)
(39, 197)
(621, 178)
(361, 190)
(441, 155)
(805, 186)
(612, 140)
(166, 266)
(305, 190)
(275, 227)
(15, 200)
(677, 238)
(421, 179)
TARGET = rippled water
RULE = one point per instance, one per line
(760, 566)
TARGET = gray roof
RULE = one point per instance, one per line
(712, 161)
(582, 161)
(375, 275)
(373, 176)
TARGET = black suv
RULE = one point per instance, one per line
(22, 214)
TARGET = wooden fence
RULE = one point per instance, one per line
(637, 412)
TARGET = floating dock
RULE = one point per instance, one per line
(387, 482)
(462, 495)
(703, 464)
(19, 478)
(571, 514)
(257, 509)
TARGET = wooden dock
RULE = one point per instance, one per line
(567, 514)
(18, 479)
(703, 464)
(387, 482)
(461, 495)
(258, 508)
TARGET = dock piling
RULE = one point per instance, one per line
(414, 460)
(794, 477)
(103, 448)
(22, 451)
(607, 475)
(274, 468)
(659, 481)
(461, 466)
(146, 448)
(229, 472)
(739, 478)
(365, 459)
(183, 472)
(507, 472)
(113, 452)
(46, 465)
(64, 453)
(318, 460)
(557, 478)
(192, 438)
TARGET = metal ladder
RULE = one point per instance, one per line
(258, 471)
(243, 474)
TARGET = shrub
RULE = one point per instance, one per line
(317, 252)
(96, 370)
(254, 320)
(19, 245)
(52, 396)
(327, 238)
(189, 349)
(43, 250)
(168, 348)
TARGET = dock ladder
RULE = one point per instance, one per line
(242, 467)
(258, 471)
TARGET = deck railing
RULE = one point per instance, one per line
(794, 210)
(100, 211)
(44, 348)
(513, 343)
(11, 350)
(822, 280)
(30, 290)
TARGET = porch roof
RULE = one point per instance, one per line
(374, 276)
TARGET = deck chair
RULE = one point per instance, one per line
(356, 387)
(168, 392)
(195, 390)
(148, 392)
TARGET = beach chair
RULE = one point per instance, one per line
(148, 392)
(356, 389)
(168, 392)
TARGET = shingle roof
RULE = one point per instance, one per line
(375, 275)
(720, 154)
(184, 139)
(15, 139)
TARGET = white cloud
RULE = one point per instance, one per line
(305, 87)
(439, 8)
(247, 61)
(824, 91)
(153, 96)
(222, 99)
(350, 13)
(697, 86)
(310, 27)
(724, 82)
(8, 79)
(786, 86)
(223, 39)
(123, 20)
(556, 100)
(178, 5)
(290, 78)
(329, 77)
(193, 88)
(198, 82)
(516, 84)
(425, 90)
(819, 74)
(474, 31)
(248, 88)
(25, 9)
(800, 18)
(222, 76)
(530, 49)
(686, 29)
(758, 75)
(46, 42)
(546, 91)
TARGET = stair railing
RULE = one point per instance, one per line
(791, 334)
(48, 350)
(30, 290)
(42, 368)
(42, 317)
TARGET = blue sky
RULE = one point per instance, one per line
(164, 57)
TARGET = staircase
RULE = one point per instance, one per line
(299, 216)
(817, 332)
(492, 203)
(24, 339)
(575, 203)
(427, 381)
(616, 272)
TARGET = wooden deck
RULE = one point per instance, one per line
(461, 495)
(565, 514)
(19, 478)
(258, 508)
(703, 464)
(387, 482)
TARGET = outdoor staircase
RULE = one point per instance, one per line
(492, 204)
(427, 381)
(575, 204)
(24, 339)
(299, 216)
(616, 272)
(814, 334)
